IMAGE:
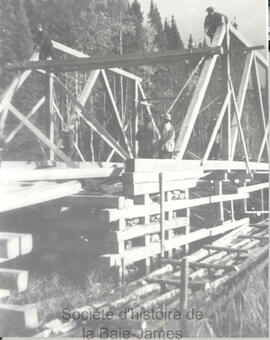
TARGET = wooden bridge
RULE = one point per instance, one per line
(137, 212)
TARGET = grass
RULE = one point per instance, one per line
(245, 313)
(238, 313)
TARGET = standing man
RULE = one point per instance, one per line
(167, 135)
(147, 140)
(212, 21)
(43, 43)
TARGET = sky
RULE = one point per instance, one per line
(251, 16)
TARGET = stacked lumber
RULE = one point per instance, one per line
(19, 195)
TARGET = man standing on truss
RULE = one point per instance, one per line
(212, 21)
(44, 44)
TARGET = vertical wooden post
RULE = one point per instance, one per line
(50, 112)
(187, 229)
(122, 271)
(135, 119)
(184, 294)
(232, 210)
(262, 200)
(226, 127)
(228, 67)
(218, 191)
(162, 215)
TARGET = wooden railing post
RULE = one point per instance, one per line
(184, 294)
(162, 215)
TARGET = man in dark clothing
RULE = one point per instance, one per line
(167, 135)
(44, 44)
(212, 21)
(147, 140)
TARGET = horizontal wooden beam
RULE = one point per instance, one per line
(153, 177)
(144, 188)
(105, 62)
(34, 196)
(78, 54)
(52, 174)
(96, 201)
(25, 242)
(13, 279)
(160, 165)
(140, 230)
(22, 316)
(254, 187)
(9, 247)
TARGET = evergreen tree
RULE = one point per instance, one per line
(154, 19)
(175, 41)
(16, 42)
(138, 43)
(190, 42)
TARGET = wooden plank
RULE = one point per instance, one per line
(13, 279)
(41, 136)
(34, 196)
(78, 54)
(25, 241)
(111, 61)
(144, 188)
(111, 215)
(254, 187)
(22, 316)
(158, 165)
(197, 98)
(50, 112)
(96, 201)
(9, 247)
(144, 177)
(142, 230)
(52, 174)
(240, 101)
